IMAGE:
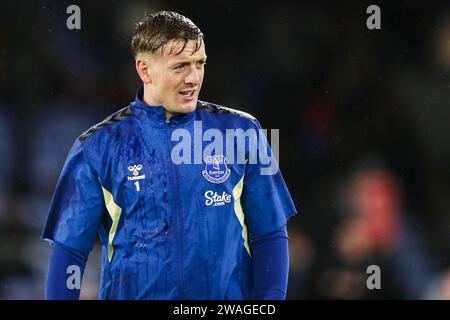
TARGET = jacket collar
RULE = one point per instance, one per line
(157, 113)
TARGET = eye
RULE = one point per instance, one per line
(179, 67)
(201, 64)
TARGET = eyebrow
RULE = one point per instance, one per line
(186, 62)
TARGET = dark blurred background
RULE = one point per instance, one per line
(364, 121)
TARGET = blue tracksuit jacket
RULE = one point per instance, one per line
(168, 231)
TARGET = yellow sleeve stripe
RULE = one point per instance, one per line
(114, 212)
(237, 192)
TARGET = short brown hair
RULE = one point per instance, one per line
(158, 28)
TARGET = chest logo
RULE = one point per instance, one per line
(215, 199)
(216, 170)
(136, 174)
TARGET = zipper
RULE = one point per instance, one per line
(178, 223)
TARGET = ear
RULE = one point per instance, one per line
(143, 69)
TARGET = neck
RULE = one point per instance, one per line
(149, 100)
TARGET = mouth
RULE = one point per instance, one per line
(188, 94)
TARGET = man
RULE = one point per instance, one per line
(173, 229)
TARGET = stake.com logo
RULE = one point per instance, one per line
(214, 199)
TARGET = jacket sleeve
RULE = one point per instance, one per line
(270, 265)
(65, 273)
(265, 199)
(77, 205)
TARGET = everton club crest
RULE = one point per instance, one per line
(216, 170)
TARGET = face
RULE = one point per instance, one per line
(171, 79)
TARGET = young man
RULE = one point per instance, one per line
(172, 229)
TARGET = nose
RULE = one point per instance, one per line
(193, 77)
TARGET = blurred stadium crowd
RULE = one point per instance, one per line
(363, 117)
